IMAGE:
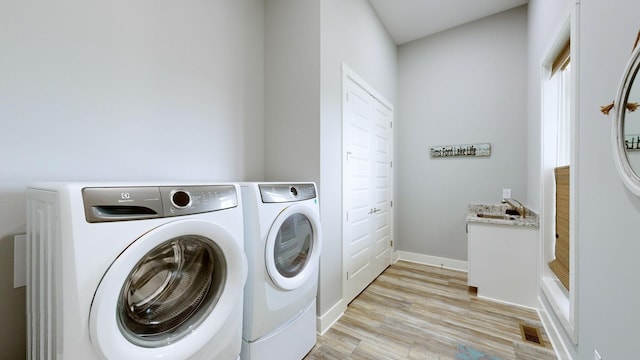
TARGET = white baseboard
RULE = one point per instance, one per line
(552, 331)
(326, 320)
(507, 303)
(432, 260)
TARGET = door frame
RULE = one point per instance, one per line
(348, 74)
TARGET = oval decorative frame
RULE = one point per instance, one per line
(629, 176)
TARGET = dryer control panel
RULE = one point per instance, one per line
(104, 204)
(279, 193)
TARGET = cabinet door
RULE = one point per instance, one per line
(503, 262)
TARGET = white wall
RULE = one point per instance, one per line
(121, 90)
(462, 86)
(607, 213)
(608, 226)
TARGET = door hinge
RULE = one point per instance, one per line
(391, 203)
(347, 275)
(347, 96)
(391, 243)
(391, 164)
(391, 124)
(347, 216)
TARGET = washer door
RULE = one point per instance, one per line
(293, 246)
(169, 293)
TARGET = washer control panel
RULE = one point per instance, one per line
(197, 199)
(279, 193)
(103, 204)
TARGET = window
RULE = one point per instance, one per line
(558, 123)
(561, 81)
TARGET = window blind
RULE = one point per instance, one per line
(562, 60)
(560, 265)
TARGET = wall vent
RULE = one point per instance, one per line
(530, 334)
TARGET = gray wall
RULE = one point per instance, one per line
(77, 79)
(292, 90)
(462, 86)
(121, 90)
(303, 97)
(352, 34)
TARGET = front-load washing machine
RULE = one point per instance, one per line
(283, 241)
(134, 271)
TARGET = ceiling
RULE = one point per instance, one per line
(408, 20)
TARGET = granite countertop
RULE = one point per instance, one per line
(532, 219)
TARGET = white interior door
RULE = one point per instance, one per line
(367, 185)
(381, 195)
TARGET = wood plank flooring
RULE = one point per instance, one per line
(414, 311)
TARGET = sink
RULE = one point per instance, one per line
(496, 216)
(512, 212)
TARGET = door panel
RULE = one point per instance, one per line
(381, 196)
(381, 234)
(357, 235)
(366, 187)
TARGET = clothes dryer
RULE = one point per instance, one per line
(134, 271)
(283, 241)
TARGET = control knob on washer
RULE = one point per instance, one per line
(180, 199)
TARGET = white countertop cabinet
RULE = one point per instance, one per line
(503, 261)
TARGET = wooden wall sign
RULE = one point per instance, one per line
(468, 150)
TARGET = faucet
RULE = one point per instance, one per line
(517, 206)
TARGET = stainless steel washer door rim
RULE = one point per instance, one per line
(122, 335)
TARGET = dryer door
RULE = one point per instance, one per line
(168, 293)
(293, 246)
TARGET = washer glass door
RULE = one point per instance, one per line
(171, 290)
(293, 246)
(169, 293)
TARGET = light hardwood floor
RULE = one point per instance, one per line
(414, 311)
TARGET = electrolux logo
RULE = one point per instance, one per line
(125, 197)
